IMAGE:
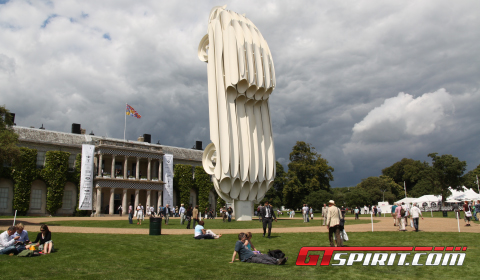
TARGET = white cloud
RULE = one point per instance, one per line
(404, 115)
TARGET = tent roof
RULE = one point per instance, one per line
(406, 200)
(428, 198)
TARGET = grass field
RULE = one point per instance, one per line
(210, 224)
(102, 256)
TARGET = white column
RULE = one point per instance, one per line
(100, 158)
(113, 167)
(159, 201)
(149, 192)
(149, 169)
(112, 199)
(136, 198)
(124, 202)
(125, 165)
(99, 201)
(137, 175)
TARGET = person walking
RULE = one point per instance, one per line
(333, 224)
(305, 213)
(415, 213)
(477, 209)
(379, 209)
(394, 215)
(468, 213)
(195, 216)
(120, 210)
(188, 215)
(311, 213)
(182, 214)
(267, 215)
(324, 213)
(356, 213)
(130, 214)
(167, 213)
(139, 214)
(407, 212)
(400, 212)
(230, 211)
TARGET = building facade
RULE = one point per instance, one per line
(127, 172)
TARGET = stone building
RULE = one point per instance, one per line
(126, 171)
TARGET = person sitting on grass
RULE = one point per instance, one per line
(201, 233)
(23, 234)
(250, 257)
(8, 242)
(44, 239)
(248, 243)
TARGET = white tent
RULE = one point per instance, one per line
(407, 200)
(465, 194)
(428, 199)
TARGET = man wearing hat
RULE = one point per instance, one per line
(333, 224)
(182, 214)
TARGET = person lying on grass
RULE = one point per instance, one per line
(248, 256)
(201, 233)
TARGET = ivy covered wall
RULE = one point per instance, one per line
(204, 185)
(183, 182)
(55, 174)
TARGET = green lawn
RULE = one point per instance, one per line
(104, 256)
(210, 223)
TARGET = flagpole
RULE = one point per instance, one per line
(125, 127)
(405, 188)
(478, 186)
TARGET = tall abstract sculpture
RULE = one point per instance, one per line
(241, 77)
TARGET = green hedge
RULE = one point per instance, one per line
(183, 182)
(24, 172)
(55, 176)
(204, 186)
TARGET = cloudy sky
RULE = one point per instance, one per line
(367, 83)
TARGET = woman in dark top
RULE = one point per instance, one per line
(189, 214)
(44, 239)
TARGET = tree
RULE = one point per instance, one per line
(382, 187)
(470, 178)
(8, 138)
(307, 172)
(407, 170)
(318, 198)
(445, 171)
(275, 193)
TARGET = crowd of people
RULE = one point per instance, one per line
(15, 240)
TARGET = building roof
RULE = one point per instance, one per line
(43, 136)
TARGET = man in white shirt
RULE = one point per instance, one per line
(7, 241)
(305, 212)
(324, 213)
(182, 214)
(415, 213)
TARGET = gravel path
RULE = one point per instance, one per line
(384, 224)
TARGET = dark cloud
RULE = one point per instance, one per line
(340, 68)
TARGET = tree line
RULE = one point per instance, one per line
(309, 175)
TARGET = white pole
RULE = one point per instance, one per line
(458, 223)
(371, 218)
(405, 188)
(431, 213)
(125, 127)
(15, 217)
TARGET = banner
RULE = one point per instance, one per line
(168, 179)
(86, 178)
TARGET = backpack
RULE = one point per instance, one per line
(278, 254)
(402, 212)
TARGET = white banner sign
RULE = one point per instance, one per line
(86, 178)
(168, 179)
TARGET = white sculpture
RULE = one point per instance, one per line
(241, 77)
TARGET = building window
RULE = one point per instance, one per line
(36, 202)
(67, 200)
(71, 162)
(3, 198)
(40, 159)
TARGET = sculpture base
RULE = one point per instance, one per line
(243, 210)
